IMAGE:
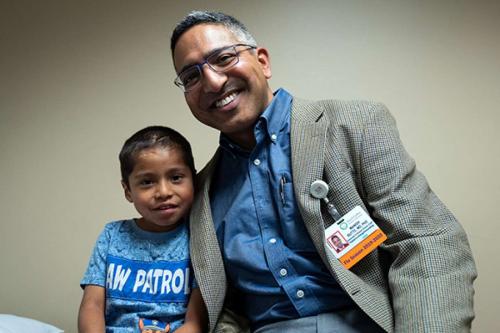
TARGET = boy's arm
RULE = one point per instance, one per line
(91, 314)
(196, 320)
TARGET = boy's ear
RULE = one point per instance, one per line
(126, 191)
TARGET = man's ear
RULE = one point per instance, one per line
(126, 191)
(265, 61)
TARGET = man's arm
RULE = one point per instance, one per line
(91, 314)
(196, 320)
(432, 269)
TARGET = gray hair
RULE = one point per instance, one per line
(205, 17)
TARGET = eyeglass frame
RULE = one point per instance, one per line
(199, 66)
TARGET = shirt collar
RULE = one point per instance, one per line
(272, 121)
(275, 116)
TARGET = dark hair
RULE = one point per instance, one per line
(150, 137)
(200, 17)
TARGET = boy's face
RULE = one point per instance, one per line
(161, 188)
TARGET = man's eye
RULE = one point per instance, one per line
(190, 77)
(224, 59)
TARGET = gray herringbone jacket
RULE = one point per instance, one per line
(420, 279)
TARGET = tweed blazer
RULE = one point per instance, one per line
(420, 279)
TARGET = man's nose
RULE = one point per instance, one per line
(211, 80)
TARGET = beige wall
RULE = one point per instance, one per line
(77, 78)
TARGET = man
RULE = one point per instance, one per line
(258, 235)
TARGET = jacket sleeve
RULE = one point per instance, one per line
(432, 270)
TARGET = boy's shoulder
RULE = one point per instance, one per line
(111, 228)
(116, 224)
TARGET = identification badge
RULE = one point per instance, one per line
(353, 237)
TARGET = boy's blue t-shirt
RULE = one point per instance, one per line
(147, 275)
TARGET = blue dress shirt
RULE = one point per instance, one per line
(270, 260)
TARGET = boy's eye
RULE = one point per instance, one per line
(177, 178)
(145, 182)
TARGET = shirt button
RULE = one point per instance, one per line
(283, 272)
(256, 161)
(272, 240)
(300, 293)
(274, 137)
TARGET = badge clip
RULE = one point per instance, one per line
(319, 189)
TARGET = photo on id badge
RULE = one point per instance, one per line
(338, 242)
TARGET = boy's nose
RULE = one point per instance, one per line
(163, 190)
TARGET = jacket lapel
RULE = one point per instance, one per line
(204, 247)
(309, 128)
(308, 139)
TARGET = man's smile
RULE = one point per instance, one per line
(226, 100)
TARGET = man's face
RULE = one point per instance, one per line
(231, 101)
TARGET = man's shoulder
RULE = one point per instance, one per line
(335, 108)
(351, 113)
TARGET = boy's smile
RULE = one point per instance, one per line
(161, 188)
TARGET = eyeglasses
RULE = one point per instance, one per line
(219, 61)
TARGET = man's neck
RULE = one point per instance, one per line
(245, 140)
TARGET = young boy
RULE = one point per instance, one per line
(139, 276)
